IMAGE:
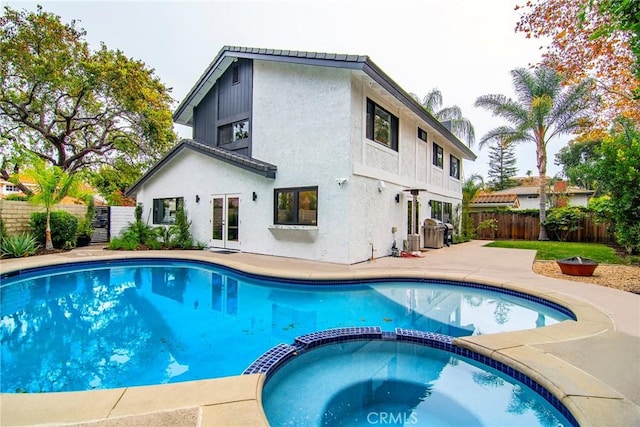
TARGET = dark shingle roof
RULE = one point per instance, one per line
(225, 57)
(252, 165)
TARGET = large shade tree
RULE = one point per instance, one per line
(451, 116)
(543, 110)
(71, 106)
(599, 39)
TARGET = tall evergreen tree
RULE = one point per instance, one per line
(502, 165)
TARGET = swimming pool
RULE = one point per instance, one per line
(137, 322)
(395, 382)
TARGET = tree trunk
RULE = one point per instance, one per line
(48, 243)
(542, 169)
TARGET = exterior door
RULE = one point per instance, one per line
(225, 222)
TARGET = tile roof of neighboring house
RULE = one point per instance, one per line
(531, 190)
(494, 198)
(253, 165)
(184, 113)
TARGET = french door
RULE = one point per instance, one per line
(225, 222)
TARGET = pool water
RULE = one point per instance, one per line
(364, 383)
(141, 322)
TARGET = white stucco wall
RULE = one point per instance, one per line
(375, 212)
(301, 118)
(309, 122)
(190, 173)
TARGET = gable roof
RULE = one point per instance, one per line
(528, 190)
(252, 165)
(227, 55)
(495, 198)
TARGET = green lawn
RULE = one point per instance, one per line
(559, 250)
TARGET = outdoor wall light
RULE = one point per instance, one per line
(254, 196)
(197, 199)
(398, 198)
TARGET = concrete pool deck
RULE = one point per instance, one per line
(592, 365)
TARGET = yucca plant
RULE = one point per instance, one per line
(20, 245)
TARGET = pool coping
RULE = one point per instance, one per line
(236, 400)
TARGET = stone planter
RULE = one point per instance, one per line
(577, 266)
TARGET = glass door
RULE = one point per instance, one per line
(225, 221)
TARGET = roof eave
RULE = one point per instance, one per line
(229, 54)
(380, 77)
(252, 165)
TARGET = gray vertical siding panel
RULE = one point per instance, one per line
(204, 119)
(225, 103)
(235, 99)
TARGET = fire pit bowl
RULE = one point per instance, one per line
(577, 266)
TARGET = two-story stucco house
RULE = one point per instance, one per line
(305, 155)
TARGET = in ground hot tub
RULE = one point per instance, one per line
(393, 381)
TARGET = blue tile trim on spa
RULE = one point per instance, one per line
(289, 281)
(270, 361)
(275, 358)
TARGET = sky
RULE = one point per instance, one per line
(465, 48)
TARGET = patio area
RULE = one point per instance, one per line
(592, 365)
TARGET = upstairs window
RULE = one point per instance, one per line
(438, 156)
(382, 126)
(296, 206)
(233, 132)
(164, 210)
(454, 167)
(422, 134)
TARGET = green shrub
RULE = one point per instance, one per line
(136, 235)
(601, 207)
(3, 229)
(85, 226)
(123, 244)
(165, 236)
(561, 222)
(20, 245)
(181, 229)
(63, 227)
(17, 197)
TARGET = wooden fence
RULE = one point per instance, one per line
(512, 226)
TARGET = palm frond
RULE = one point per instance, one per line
(504, 107)
(504, 134)
(462, 128)
(449, 113)
(524, 84)
(571, 108)
(432, 101)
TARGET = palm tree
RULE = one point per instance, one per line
(52, 185)
(543, 110)
(460, 126)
